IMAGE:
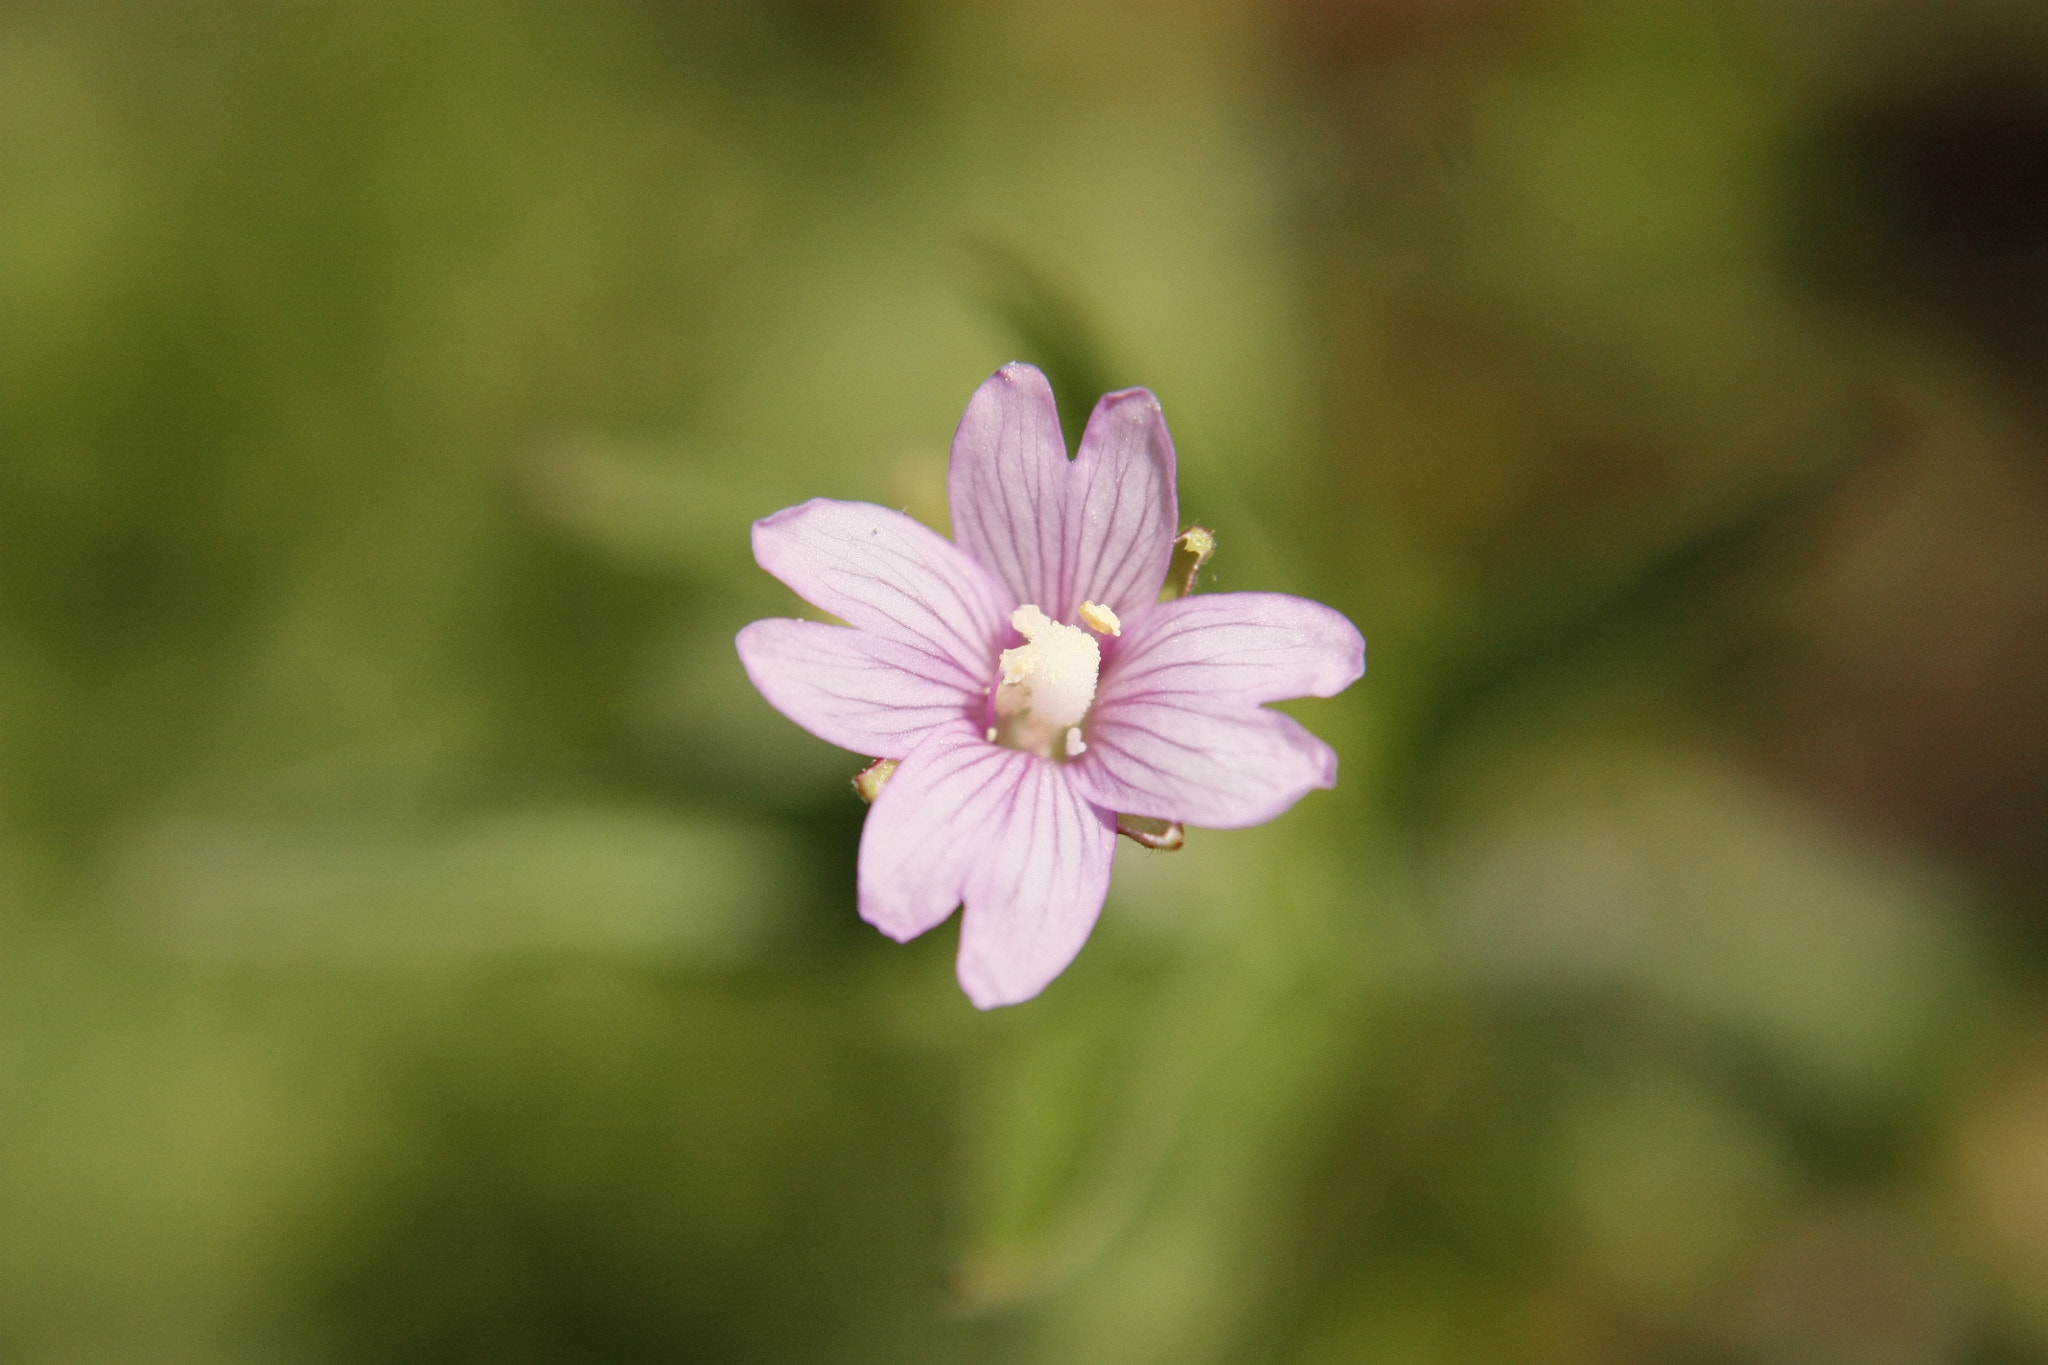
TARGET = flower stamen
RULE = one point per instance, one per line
(1048, 684)
(1102, 618)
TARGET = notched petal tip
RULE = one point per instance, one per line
(992, 986)
(1123, 509)
(1125, 397)
(986, 995)
(1331, 648)
(1017, 390)
(1345, 664)
(1326, 778)
(761, 534)
(1023, 372)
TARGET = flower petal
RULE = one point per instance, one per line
(1253, 646)
(1199, 760)
(1121, 510)
(888, 574)
(1178, 732)
(941, 812)
(1033, 897)
(853, 688)
(1008, 483)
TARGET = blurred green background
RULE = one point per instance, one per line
(418, 943)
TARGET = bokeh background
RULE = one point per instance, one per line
(419, 944)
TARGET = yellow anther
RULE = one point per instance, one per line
(1102, 618)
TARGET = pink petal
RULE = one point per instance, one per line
(1121, 511)
(1200, 761)
(1178, 732)
(963, 819)
(852, 688)
(940, 813)
(1033, 896)
(1008, 483)
(888, 574)
(1253, 646)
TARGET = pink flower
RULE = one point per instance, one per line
(1031, 682)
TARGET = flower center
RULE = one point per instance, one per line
(1048, 685)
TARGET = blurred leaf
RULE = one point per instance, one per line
(1053, 329)
(1552, 630)
(1078, 1105)
(1673, 1186)
(576, 879)
(647, 512)
(1698, 889)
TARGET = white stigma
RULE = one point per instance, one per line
(1102, 618)
(1075, 745)
(1051, 677)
